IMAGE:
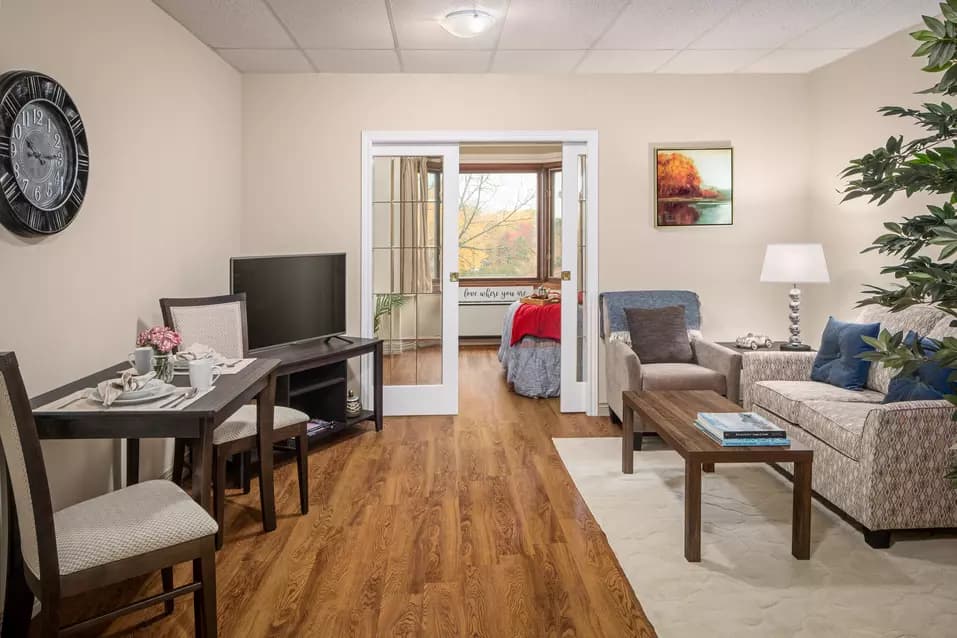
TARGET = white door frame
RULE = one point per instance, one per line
(414, 138)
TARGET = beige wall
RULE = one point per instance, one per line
(844, 98)
(161, 216)
(302, 166)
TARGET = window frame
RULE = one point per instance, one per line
(544, 219)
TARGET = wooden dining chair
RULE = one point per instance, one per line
(220, 323)
(143, 528)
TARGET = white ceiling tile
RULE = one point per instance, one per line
(525, 61)
(229, 23)
(418, 24)
(267, 60)
(336, 24)
(664, 24)
(724, 61)
(624, 61)
(354, 61)
(768, 24)
(866, 23)
(557, 24)
(446, 61)
(795, 60)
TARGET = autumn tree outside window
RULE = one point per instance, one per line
(506, 226)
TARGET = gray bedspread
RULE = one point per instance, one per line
(533, 365)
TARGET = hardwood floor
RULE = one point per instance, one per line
(437, 526)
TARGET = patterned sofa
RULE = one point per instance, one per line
(883, 465)
(715, 367)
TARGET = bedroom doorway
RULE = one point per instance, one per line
(418, 319)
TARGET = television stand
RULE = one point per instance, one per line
(313, 376)
(346, 339)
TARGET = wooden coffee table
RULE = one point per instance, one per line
(672, 415)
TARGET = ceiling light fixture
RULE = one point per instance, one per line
(467, 23)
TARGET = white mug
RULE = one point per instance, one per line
(142, 359)
(203, 374)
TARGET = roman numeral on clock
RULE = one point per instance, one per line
(10, 108)
(76, 199)
(82, 161)
(58, 96)
(4, 146)
(34, 87)
(36, 219)
(57, 218)
(76, 124)
(9, 186)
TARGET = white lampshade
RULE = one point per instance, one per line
(795, 264)
(467, 23)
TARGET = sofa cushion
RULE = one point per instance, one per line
(681, 376)
(930, 382)
(921, 319)
(784, 398)
(840, 424)
(659, 335)
(838, 361)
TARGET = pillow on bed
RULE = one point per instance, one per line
(659, 335)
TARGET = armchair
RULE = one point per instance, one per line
(715, 367)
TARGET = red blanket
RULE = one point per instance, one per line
(537, 321)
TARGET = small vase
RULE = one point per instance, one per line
(163, 367)
(353, 405)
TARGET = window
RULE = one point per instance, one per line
(506, 231)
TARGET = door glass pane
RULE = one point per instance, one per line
(555, 195)
(581, 371)
(407, 230)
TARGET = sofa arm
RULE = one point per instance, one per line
(722, 360)
(774, 366)
(906, 455)
(622, 372)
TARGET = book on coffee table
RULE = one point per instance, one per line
(744, 442)
(739, 425)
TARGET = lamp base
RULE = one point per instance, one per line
(795, 347)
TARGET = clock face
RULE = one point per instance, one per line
(44, 157)
(39, 146)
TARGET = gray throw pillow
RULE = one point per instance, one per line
(659, 335)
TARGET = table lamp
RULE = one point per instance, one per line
(795, 264)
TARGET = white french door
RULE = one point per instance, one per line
(575, 395)
(413, 191)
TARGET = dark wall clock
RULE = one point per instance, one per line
(44, 157)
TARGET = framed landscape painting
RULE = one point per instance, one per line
(693, 187)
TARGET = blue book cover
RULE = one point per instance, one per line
(740, 425)
(744, 442)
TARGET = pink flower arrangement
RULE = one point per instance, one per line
(160, 338)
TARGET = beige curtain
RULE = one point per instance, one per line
(415, 266)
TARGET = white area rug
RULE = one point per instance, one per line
(747, 583)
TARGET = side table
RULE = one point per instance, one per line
(748, 351)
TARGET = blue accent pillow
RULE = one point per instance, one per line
(837, 362)
(929, 383)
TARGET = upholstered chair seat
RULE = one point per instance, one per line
(141, 518)
(242, 424)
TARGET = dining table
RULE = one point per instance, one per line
(63, 413)
(66, 413)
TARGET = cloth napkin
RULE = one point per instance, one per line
(129, 381)
(199, 351)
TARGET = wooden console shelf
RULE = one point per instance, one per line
(312, 377)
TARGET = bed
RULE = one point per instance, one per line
(533, 364)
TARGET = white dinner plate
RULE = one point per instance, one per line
(158, 392)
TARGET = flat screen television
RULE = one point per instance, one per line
(291, 298)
